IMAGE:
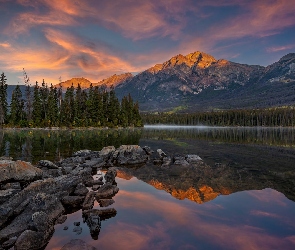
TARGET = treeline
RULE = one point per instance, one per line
(282, 116)
(43, 106)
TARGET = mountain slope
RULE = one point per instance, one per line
(198, 81)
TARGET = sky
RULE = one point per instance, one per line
(94, 39)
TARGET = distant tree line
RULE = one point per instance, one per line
(43, 106)
(280, 116)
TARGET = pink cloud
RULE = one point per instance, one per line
(280, 48)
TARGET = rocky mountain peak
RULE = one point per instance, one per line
(115, 79)
(288, 57)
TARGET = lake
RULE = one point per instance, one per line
(241, 197)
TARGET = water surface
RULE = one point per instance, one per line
(242, 197)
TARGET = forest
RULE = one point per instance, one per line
(43, 106)
(271, 117)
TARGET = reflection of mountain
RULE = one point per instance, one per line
(201, 183)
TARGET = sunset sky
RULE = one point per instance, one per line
(97, 38)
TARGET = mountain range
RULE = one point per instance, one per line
(199, 82)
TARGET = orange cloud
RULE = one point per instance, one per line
(5, 45)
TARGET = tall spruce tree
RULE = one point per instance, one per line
(16, 107)
(67, 112)
(3, 100)
(52, 107)
(28, 97)
(37, 107)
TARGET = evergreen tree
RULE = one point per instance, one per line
(28, 97)
(37, 107)
(67, 112)
(16, 107)
(3, 100)
(113, 108)
(52, 107)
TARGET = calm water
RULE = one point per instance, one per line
(242, 198)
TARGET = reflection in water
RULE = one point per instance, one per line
(154, 207)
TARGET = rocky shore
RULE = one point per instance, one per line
(35, 198)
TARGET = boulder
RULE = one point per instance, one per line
(129, 155)
(61, 219)
(103, 214)
(7, 194)
(47, 164)
(193, 158)
(106, 191)
(81, 190)
(94, 224)
(94, 182)
(161, 153)
(180, 160)
(18, 171)
(148, 150)
(88, 201)
(110, 175)
(9, 243)
(105, 202)
(12, 185)
(77, 244)
(106, 152)
(72, 201)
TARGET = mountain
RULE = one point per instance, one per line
(198, 81)
(115, 80)
(84, 83)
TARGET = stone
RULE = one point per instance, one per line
(47, 164)
(129, 155)
(161, 153)
(82, 153)
(94, 224)
(193, 158)
(77, 223)
(81, 190)
(72, 201)
(166, 161)
(105, 202)
(31, 240)
(77, 244)
(103, 214)
(180, 160)
(88, 201)
(77, 230)
(106, 152)
(148, 150)
(110, 175)
(7, 194)
(106, 191)
(61, 219)
(12, 185)
(19, 171)
(9, 243)
(95, 187)
(94, 182)
(65, 228)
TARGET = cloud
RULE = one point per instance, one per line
(5, 45)
(280, 48)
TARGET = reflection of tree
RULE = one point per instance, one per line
(262, 136)
(33, 145)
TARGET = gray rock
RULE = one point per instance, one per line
(130, 155)
(77, 230)
(161, 153)
(77, 223)
(72, 201)
(105, 202)
(81, 190)
(94, 182)
(95, 187)
(148, 150)
(88, 201)
(65, 228)
(7, 194)
(18, 171)
(47, 164)
(106, 191)
(180, 160)
(103, 214)
(106, 152)
(193, 158)
(110, 175)
(94, 224)
(12, 185)
(9, 243)
(61, 219)
(77, 244)
(6, 158)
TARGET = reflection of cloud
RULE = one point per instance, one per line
(268, 195)
(264, 214)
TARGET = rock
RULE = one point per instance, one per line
(77, 230)
(77, 244)
(106, 152)
(166, 161)
(103, 214)
(77, 223)
(193, 158)
(100, 178)
(6, 158)
(94, 182)
(72, 201)
(7, 194)
(106, 191)
(110, 175)
(148, 150)
(161, 153)
(88, 201)
(61, 219)
(180, 160)
(39, 235)
(9, 243)
(82, 153)
(47, 164)
(105, 202)
(130, 155)
(12, 185)
(18, 171)
(95, 187)
(81, 190)
(65, 228)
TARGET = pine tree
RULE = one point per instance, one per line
(67, 112)
(16, 107)
(113, 108)
(52, 107)
(37, 107)
(3, 100)
(28, 97)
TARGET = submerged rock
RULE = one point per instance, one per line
(110, 175)
(106, 191)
